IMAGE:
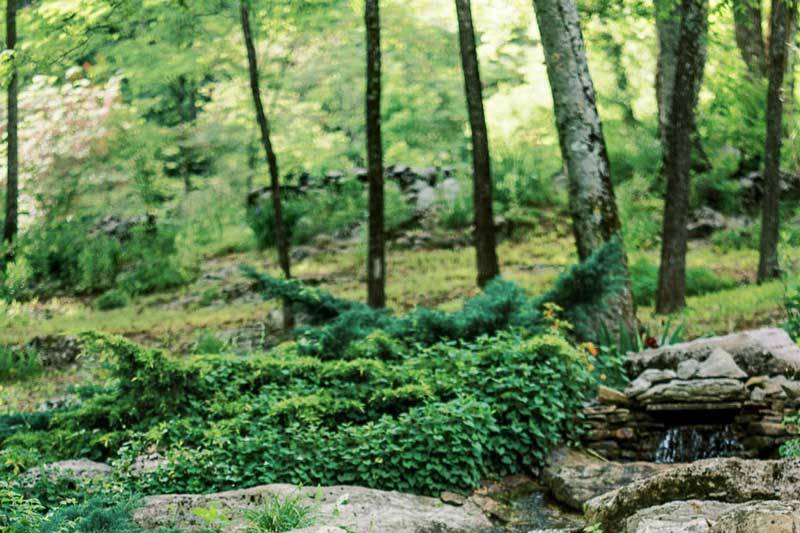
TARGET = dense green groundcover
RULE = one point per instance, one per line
(421, 402)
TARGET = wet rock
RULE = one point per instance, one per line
(728, 480)
(760, 517)
(575, 477)
(693, 516)
(346, 508)
(695, 391)
(720, 364)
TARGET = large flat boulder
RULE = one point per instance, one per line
(768, 351)
(575, 477)
(693, 516)
(333, 509)
(712, 390)
(79, 470)
(760, 517)
(730, 480)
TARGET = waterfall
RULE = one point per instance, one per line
(682, 444)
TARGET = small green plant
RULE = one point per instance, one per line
(214, 517)
(207, 342)
(17, 363)
(279, 514)
(792, 306)
(113, 299)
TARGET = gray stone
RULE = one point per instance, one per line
(637, 387)
(687, 369)
(693, 516)
(760, 517)
(695, 391)
(611, 396)
(720, 364)
(334, 508)
(728, 480)
(575, 477)
(77, 469)
(768, 351)
(655, 375)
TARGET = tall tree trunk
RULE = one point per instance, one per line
(668, 30)
(690, 63)
(376, 249)
(591, 194)
(281, 238)
(781, 24)
(485, 240)
(747, 23)
(11, 223)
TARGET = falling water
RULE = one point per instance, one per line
(683, 444)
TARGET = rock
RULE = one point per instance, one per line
(611, 396)
(760, 517)
(80, 470)
(687, 369)
(705, 221)
(693, 516)
(720, 364)
(768, 351)
(452, 498)
(449, 190)
(654, 375)
(56, 350)
(146, 464)
(728, 480)
(637, 387)
(335, 508)
(695, 391)
(575, 477)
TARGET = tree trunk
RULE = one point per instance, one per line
(281, 238)
(11, 224)
(781, 24)
(376, 250)
(750, 35)
(591, 194)
(485, 240)
(668, 30)
(690, 63)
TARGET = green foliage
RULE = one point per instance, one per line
(17, 363)
(207, 342)
(112, 299)
(277, 515)
(792, 306)
(701, 280)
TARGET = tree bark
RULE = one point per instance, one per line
(690, 63)
(781, 25)
(668, 32)
(281, 238)
(11, 224)
(485, 239)
(747, 23)
(592, 204)
(376, 249)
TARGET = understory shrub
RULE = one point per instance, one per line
(112, 299)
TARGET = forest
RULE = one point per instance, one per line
(365, 266)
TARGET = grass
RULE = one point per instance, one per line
(278, 515)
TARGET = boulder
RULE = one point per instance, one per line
(687, 369)
(760, 517)
(647, 379)
(705, 221)
(728, 480)
(56, 350)
(79, 470)
(720, 364)
(575, 477)
(768, 351)
(693, 516)
(695, 391)
(338, 508)
(611, 396)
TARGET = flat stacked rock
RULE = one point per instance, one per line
(750, 376)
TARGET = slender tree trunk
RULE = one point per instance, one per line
(781, 24)
(668, 30)
(11, 225)
(671, 294)
(281, 238)
(591, 193)
(376, 249)
(485, 240)
(747, 23)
